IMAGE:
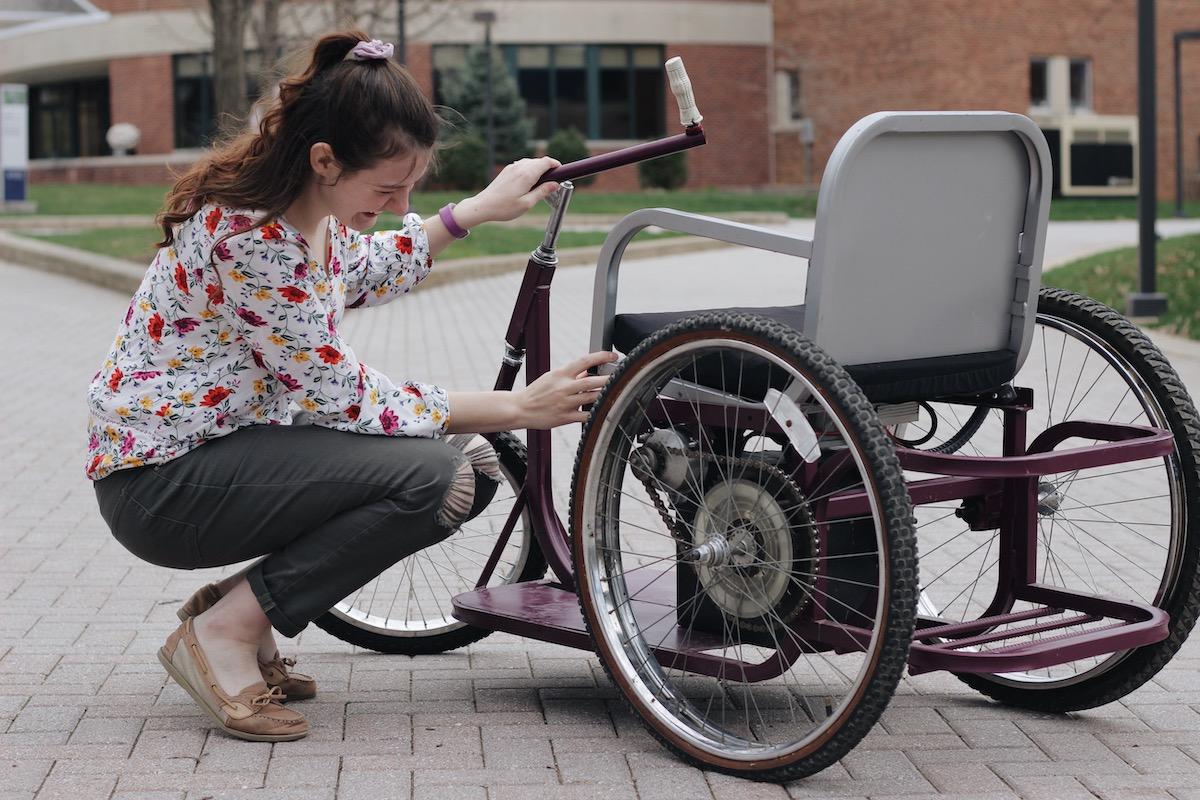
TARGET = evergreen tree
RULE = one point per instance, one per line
(464, 91)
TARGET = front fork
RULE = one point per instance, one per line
(529, 335)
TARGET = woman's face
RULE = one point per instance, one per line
(358, 198)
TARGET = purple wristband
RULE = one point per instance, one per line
(447, 216)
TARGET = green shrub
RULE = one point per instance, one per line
(666, 172)
(569, 145)
(462, 162)
(464, 91)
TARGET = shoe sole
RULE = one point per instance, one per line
(187, 687)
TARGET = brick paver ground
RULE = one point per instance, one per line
(86, 711)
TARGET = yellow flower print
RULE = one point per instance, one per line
(120, 341)
(374, 395)
(263, 294)
(258, 413)
(106, 460)
(196, 352)
(144, 306)
(418, 409)
(186, 398)
(436, 415)
(260, 387)
(237, 276)
(309, 405)
(276, 339)
(132, 461)
(301, 356)
(174, 363)
(206, 314)
(223, 337)
(381, 291)
(123, 411)
(145, 402)
(108, 363)
(171, 253)
(321, 287)
(111, 433)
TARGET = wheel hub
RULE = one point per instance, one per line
(1049, 499)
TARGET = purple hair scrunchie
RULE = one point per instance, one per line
(373, 50)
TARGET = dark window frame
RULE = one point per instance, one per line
(76, 91)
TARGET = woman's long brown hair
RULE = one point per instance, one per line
(365, 111)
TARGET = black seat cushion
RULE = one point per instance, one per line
(886, 382)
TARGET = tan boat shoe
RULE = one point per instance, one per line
(253, 713)
(277, 671)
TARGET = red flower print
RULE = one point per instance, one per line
(94, 440)
(95, 463)
(258, 359)
(272, 231)
(329, 354)
(352, 411)
(212, 220)
(239, 223)
(214, 396)
(127, 443)
(181, 279)
(150, 453)
(414, 392)
(342, 230)
(404, 244)
(335, 266)
(221, 420)
(300, 271)
(251, 317)
(388, 420)
(186, 324)
(216, 295)
(163, 410)
(114, 380)
(154, 327)
(362, 373)
(293, 293)
(223, 252)
(287, 380)
(145, 375)
(129, 313)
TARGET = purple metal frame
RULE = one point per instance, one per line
(1007, 484)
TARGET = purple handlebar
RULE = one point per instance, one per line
(692, 137)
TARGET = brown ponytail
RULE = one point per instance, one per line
(365, 111)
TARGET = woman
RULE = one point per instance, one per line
(237, 316)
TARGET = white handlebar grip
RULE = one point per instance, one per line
(681, 87)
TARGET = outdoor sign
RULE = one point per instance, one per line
(14, 140)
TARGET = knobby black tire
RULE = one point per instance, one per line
(513, 458)
(899, 546)
(1182, 598)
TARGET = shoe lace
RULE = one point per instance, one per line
(271, 695)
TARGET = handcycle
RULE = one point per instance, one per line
(752, 485)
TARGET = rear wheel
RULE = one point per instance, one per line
(749, 633)
(1127, 531)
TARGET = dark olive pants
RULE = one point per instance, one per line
(330, 510)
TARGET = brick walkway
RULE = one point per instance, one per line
(87, 712)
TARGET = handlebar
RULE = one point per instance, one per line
(692, 136)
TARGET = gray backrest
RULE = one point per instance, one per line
(929, 237)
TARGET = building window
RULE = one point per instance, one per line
(789, 97)
(1039, 83)
(603, 91)
(195, 109)
(1081, 84)
(69, 120)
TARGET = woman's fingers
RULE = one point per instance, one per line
(584, 363)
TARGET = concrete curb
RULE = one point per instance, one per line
(125, 276)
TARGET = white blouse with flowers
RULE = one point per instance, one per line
(210, 345)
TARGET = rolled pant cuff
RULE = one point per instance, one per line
(279, 620)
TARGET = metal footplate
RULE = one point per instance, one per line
(1064, 626)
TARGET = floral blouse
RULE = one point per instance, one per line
(210, 345)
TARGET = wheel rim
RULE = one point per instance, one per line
(413, 597)
(1114, 531)
(768, 722)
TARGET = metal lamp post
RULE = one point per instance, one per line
(1146, 302)
(487, 18)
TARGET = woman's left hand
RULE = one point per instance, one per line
(510, 194)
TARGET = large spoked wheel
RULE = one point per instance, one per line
(406, 609)
(1127, 531)
(751, 633)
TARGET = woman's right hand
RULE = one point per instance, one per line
(555, 397)
(510, 194)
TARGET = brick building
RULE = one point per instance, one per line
(1071, 66)
(778, 80)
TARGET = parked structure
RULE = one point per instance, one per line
(780, 79)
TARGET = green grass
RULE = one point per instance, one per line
(98, 198)
(1110, 277)
(137, 244)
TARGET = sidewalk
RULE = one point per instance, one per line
(87, 712)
